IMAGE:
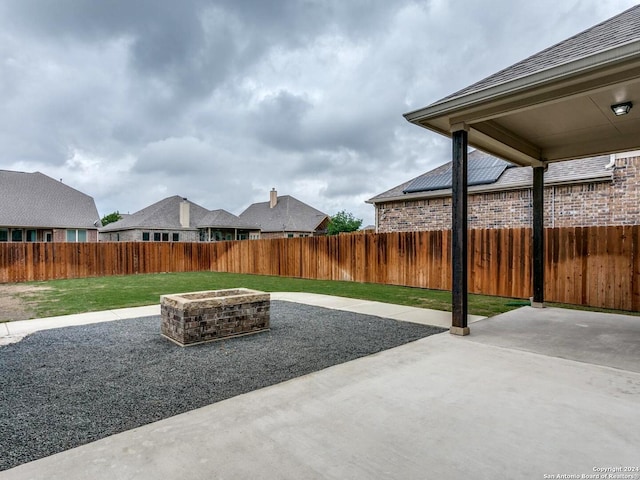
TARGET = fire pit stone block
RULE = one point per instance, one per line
(197, 317)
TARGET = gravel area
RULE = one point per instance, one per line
(66, 387)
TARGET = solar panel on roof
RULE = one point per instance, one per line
(481, 171)
(484, 176)
(426, 183)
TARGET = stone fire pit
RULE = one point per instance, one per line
(196, 317)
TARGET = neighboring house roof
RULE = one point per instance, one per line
(165, 214)
(36, 200)
(571, 171)
(223, 219)
(288, 215)
(611, 33)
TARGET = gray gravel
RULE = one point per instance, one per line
(66, 387)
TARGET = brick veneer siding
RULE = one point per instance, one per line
(60, 235)
(268, 235)
(615, 202)
(136, 235)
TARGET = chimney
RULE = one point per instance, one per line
(184, 213)
(273, 198)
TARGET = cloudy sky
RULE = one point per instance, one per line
(132, 101)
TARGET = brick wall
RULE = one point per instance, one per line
(626, 194)
(60, 235)
(615, 202)
(269, 235)
(136, 235)
(123, 236)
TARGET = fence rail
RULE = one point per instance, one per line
(595, 266)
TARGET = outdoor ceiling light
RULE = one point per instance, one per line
(621, 108)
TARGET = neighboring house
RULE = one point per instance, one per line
(286, 217)
(176, 219)
(602, 190)
(37, 208)
(221, 225)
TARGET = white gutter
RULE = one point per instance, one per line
(612, 162)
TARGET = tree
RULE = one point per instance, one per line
(343, 222)
(112, 217)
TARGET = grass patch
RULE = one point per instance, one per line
(63, 297)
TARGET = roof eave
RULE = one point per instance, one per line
(47, 226)
(566, 71)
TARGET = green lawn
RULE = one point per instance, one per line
(62, 297)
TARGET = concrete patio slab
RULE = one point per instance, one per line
(403, 313)
(607, 339)
(316, 299)
(136, 312)
(441, 407)
(17, 330)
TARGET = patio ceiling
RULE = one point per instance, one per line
(555, 105)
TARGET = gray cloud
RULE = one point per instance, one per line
(278, 120)
(220, 101)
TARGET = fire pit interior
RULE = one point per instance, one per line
(196, 317)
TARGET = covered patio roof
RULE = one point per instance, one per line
(556, 104)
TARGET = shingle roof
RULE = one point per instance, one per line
(223, 219)
(165, 214)
(36, 200)
(614, 32)
(289, 215)
(482, 169)
(567, 172)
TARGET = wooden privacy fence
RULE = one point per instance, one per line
(595, 266)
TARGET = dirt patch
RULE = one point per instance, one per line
(13, 305)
